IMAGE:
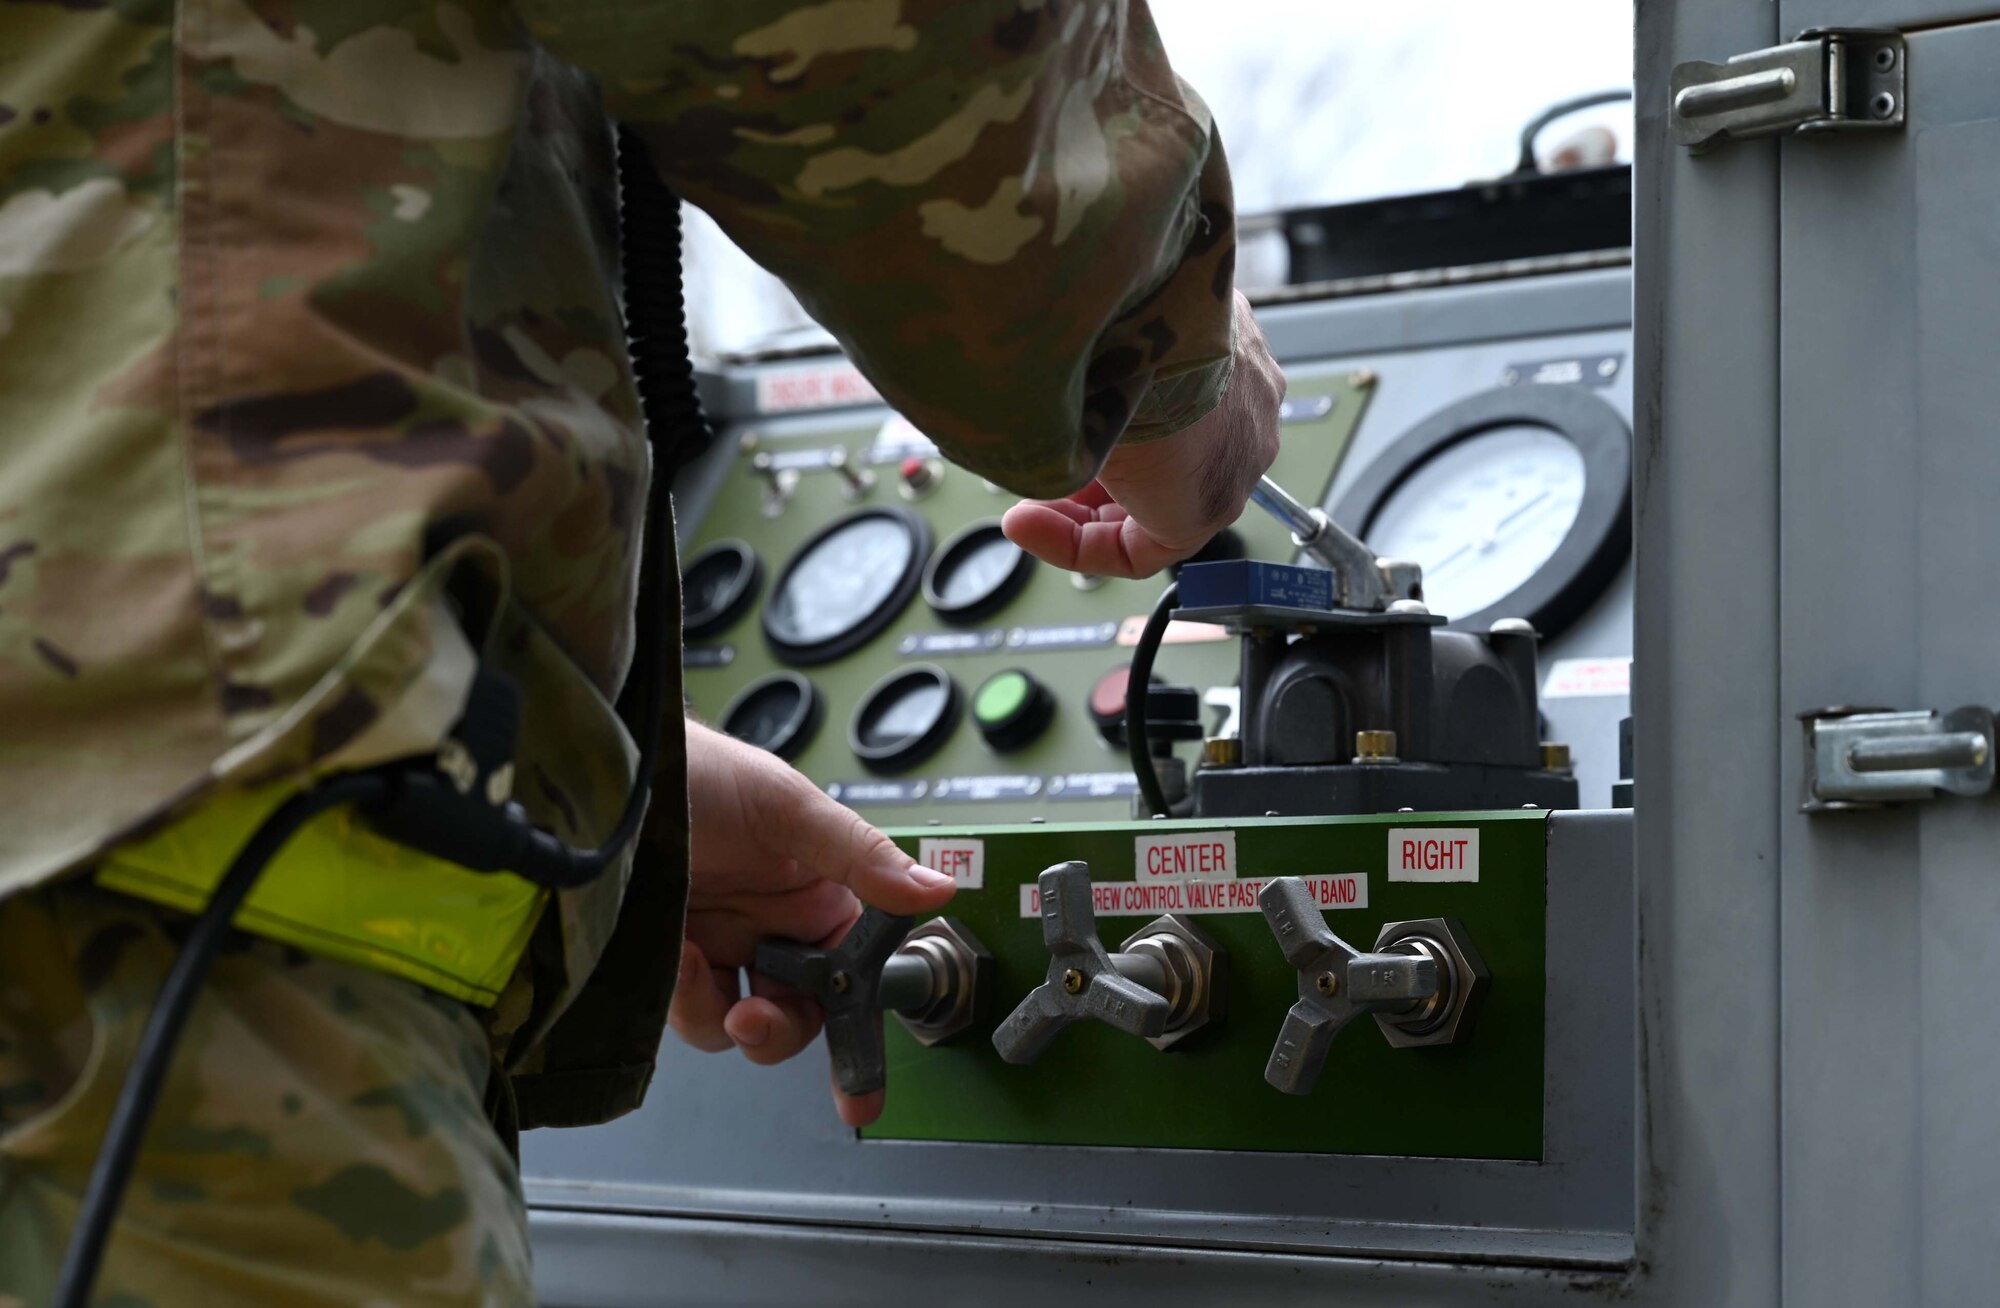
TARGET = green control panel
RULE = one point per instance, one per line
(1479, 1096)
(852, 605)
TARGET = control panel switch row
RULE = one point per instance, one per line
(936, 979)
(1166, 982)
(1423, 983)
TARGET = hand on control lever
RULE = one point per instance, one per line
(1159, 501)
(772, 856)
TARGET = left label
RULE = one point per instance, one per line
(964, 860)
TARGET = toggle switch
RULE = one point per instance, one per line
(1423, 982)
(856, 481)
(779, 483)
(936, 979)
(1165, 983)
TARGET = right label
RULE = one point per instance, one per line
(1434, 853)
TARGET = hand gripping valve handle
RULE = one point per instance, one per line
(1422, 983)
(1163, 985)
(936, 979)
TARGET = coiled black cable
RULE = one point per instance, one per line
(1138, 745)
(136, 1098)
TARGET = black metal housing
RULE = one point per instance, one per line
(1517, 217)
(1464, 708)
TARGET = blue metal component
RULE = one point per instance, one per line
(1237, 582)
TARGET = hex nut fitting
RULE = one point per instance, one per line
(1465, 973)
(1195, 965)
(968, 970)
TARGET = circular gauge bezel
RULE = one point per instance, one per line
(911, 750)
(798, 730)
(718, 618)
(1599, 540)
(953, 553)
(806, 654)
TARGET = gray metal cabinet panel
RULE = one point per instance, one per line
(1890, 392)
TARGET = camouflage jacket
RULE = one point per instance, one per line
(308, 312)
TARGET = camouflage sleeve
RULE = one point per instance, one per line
(1011, 213)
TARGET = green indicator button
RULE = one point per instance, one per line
(1002, 696)
(1011, 708)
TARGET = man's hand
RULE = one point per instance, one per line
(1158, 502)
(773, 856)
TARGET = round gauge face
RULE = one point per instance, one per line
(779, 713)
(975, 573)
(1483, 515)
(716, 587)
(846, 584)
(905, 718)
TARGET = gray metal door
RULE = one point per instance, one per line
(1878, 256)
(1889, 449)
(1817, 320)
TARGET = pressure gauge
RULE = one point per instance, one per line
(846, 584)
(905, 718)
(716, 587)
(780, 713)
(1515, 502)
(975, 573)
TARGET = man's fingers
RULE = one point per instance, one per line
(835, 843)
(701, 1002)
(1049, 531)
(770, 1028)
(858, 1110)
(730, 929)
(1104, 541)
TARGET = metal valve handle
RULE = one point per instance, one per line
(1082, 981)
(847, 982)
(1337, 983)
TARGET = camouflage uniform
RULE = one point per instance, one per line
(307, 316)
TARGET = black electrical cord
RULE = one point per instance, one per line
(1137, 744)
(1527, 165)
(136, 1098)
(413, 803)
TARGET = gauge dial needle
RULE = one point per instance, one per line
(1518, 510)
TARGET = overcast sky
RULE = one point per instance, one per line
(1319, 101)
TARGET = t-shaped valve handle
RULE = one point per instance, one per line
(934, 979)
(1165, 983)
(1337, 983)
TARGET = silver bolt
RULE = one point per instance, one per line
(1883, 105)
(1885, 58)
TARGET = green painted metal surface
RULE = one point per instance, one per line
(1310, 454)
(1096, 1086)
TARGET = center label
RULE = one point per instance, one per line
(1207, 855)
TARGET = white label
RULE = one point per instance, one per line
(1206, 855)
(821, 386)
(1434, 853)
(1584, 678)
(1152, 898)
(964, 860)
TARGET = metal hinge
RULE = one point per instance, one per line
(1832, 79)
(1864, 758)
